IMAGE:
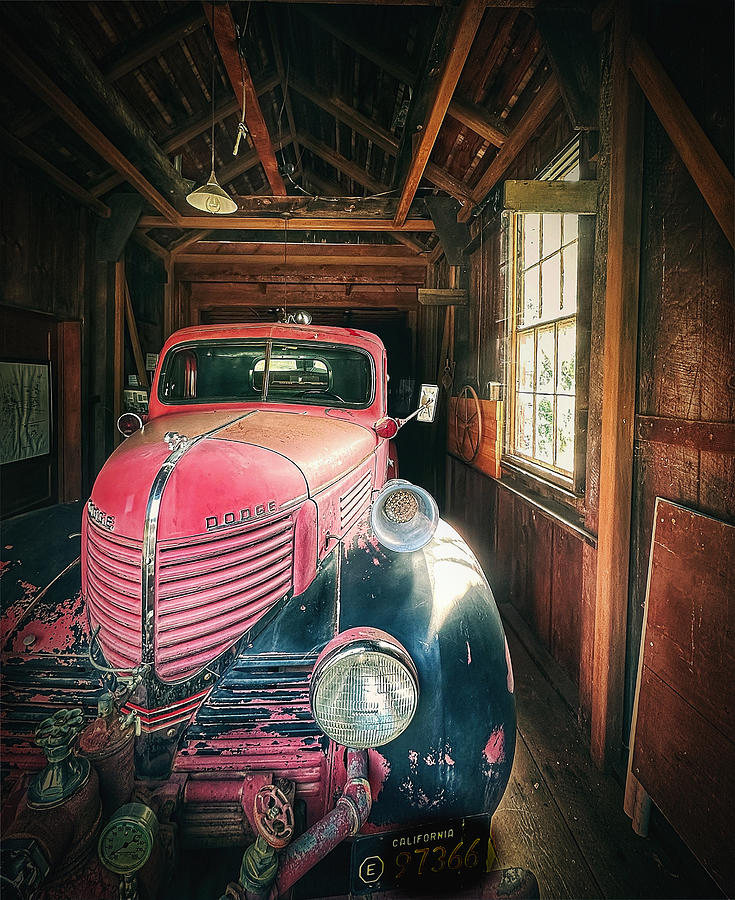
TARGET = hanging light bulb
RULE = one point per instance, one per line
(210, 197)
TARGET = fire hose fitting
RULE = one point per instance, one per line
(274, 821)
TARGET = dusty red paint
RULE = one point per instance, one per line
(494, 751)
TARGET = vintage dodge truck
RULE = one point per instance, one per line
(274, 644)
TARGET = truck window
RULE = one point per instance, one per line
(267, 371)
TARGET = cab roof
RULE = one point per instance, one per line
(352, 337)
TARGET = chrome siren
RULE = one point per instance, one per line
(404, 516)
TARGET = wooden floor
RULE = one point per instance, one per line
(563, 819)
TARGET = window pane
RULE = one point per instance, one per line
(570, 227)
(530, 297)
(570, 278)
(524, 424)
(567, 352)
(545, 359)
(565, 433)
(545, 428)
(531, 229)
(525, 360)
(552, 233)
(551, 287)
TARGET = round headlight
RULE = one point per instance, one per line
(364, 689)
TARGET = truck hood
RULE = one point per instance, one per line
(258, 461)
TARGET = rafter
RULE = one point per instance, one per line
(22, 151)
(474, 117)
(192, 130)
(468, 22)
(479, 120)
(344, 165)
(242, 84)
(380, 136)
(142, 48)
(175, 248)
(27, 70)
(541, 105)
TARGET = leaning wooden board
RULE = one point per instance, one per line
(683, 752)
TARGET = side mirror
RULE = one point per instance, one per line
(427, 402)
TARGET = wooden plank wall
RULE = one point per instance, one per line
(687, 318)
(545, 569)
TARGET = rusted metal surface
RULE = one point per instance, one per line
(345, 820)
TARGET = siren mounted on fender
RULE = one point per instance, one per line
(404, 516)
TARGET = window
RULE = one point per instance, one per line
(543, 335)
(267, 371)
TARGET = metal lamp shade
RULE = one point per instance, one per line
(211, 198)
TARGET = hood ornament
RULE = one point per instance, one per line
(176, 441)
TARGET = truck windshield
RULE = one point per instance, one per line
(267, 371)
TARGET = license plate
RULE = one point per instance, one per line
(437, 856)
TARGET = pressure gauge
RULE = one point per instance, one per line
(127, 840)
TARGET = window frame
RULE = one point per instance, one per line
(548, 478)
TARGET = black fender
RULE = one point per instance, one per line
(456, 756)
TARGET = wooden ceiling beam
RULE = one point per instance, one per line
(408, 241)
(344, 165)
(380, 136)
(132, 56)
(247, 161)
(387, 254)
(191, 131)
(63, 182)
(479, 120)
(140, 237)
(176, 248)
(467, 23)
(704, 164)
(474, 117)
(541, 105)
(300, 271)
(296, 257)
(147, 45)
(241, 80)
(258, 223)
(32, 76)
(218, 296)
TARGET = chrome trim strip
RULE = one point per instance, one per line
(150, 533)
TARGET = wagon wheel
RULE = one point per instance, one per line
(467, 423)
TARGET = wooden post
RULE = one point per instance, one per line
(118, 346)
(618, 399)
(134, 339)
(69, 344)
(169, 325)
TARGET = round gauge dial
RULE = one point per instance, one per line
(127, 840)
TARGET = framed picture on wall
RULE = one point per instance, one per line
(25, 410)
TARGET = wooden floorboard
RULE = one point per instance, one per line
(558, 799)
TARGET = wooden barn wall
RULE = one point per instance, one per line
(45, 262)
(48, 265)
(542, 557)
(533, 558)
(686, 349)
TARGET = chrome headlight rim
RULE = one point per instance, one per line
(346, 647)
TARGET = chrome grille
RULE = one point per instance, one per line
(211, 589)
(113, 594)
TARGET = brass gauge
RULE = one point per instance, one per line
(127, 840)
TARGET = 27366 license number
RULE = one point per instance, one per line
(438, 855)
